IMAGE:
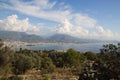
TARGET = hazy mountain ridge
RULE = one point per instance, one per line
(69, 39)
(19, 36)
(24, 37)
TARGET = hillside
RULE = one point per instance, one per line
(19, 36)
(24, 37)
(70, 39)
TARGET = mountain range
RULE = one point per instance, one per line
(24, 37)
(19, 36)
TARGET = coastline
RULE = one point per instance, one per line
(20, 44)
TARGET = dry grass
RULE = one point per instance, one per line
(59, 74)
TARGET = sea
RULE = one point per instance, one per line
(81, 47)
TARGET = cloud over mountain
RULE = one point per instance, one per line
(72, 23)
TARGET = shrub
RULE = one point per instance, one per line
(11, 78)
(15, 78)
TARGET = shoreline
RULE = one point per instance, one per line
(20, 44)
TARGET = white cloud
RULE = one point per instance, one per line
(105, 33)
(100, 29)
(75, 24)
(65, 27)
(96, 32)
(12, 23)
(40, 8)
(83, 21)
(68, 28)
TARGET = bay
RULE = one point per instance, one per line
(81, 47)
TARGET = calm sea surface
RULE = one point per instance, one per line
(83, 47)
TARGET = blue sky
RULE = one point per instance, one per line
(96, 19)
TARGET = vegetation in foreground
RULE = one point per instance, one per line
(54, 65)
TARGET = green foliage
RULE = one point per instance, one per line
(90, 55)
(11, 78)
(106, 66)
(47, 65)
(5, 59)
(111, 58)
(57, 58)
(101, 66)
(15, 78)
(2, 59)
(72, 58)
(21, 64)
(4, 78)
(45, 77)
(88, 72)
(2, 51)
(109, 48)
(1, 44)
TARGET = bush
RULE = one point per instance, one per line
(45, 77)
(21, 64)
(15, 78)
(3, 78)
(11, 78)
(47, 65)
(72, 58)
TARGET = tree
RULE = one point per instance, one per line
(57, 58)
(47, 65)
(109, 60)
(109, 48)
(72, 58)
(21, 64)
(90, 55)
(5, 59)
(88, 72)
(105, 67)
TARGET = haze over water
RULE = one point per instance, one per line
(83, 47)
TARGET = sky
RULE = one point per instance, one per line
(92, 19)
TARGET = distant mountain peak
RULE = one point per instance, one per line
(19, 36)
(24, 37)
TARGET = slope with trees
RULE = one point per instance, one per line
(48, 64)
